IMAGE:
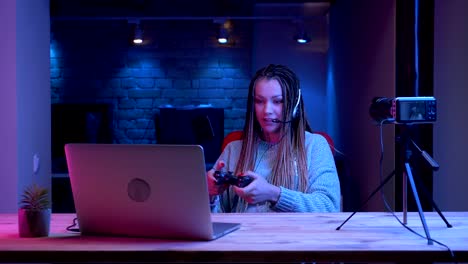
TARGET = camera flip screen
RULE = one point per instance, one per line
(404, 110)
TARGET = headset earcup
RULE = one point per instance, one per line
(296, 106)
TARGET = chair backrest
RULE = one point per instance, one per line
(329, 140)
(234, 135)
(237, 134)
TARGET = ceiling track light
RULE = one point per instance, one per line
(138, 33)
(302, 38)
(223, 34)
(301, 35)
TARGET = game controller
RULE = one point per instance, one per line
(231, 179)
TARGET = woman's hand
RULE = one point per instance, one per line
(213, 188)
(258, 191)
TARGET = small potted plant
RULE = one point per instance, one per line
(34, 212)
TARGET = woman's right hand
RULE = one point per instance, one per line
(213, 188)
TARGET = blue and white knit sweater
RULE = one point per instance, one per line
(323, 192)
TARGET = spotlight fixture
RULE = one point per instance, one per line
(301, 36)
(223, 30)
(138, 35)
(223, 36)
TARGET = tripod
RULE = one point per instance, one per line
(408, 175)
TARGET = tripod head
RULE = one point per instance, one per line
(405, 139)
(434, 165)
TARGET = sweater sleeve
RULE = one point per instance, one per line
(323, 193)
(230, 156)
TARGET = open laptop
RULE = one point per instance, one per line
(157, 191)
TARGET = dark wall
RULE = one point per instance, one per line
(450, 89)
(362, 59)
(179, 64)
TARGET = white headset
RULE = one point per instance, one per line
(294, 113)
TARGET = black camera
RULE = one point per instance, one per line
(404, 110)
(231, 179)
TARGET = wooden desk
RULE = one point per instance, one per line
(372, 237)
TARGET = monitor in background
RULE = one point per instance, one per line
(78, 123)
(192, 126)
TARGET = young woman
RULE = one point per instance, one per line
(293, 170)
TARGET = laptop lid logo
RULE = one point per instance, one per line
(138, 190)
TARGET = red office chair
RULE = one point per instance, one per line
(234, 135)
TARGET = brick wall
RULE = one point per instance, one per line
(179, 64)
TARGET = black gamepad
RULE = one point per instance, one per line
(231, 179)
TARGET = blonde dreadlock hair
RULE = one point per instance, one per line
(291, 158)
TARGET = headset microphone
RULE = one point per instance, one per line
(279, 121)
(294, 113)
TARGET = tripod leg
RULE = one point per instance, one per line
(434, 205)
(368, 198)
(416, 198)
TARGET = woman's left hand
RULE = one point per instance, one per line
(258, 191)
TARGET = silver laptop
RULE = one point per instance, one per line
(157, 191)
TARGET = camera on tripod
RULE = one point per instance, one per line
(404, 110)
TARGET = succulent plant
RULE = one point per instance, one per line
(35, 198)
